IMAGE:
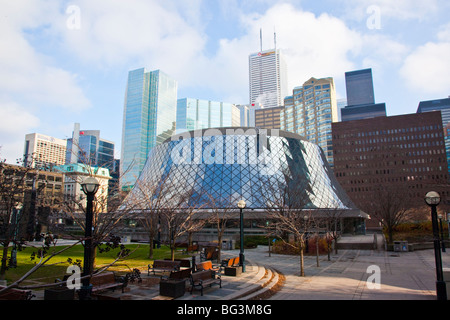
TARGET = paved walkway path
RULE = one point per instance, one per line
(349, 275)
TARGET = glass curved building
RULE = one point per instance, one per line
(259, 166)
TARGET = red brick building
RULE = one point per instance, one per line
(406, 152)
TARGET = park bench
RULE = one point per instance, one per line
(231, 267)
(203, 278)
(182, 274)
(207, 265)
(16, 294)
(233, 262)
(184, 263)
(164, 266)
(104, 281)
(209, 253)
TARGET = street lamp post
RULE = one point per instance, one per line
(16, 216)
(432, 199)
(90, 186)
(441, 232)
(241, 205)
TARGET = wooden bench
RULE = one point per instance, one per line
(164, 266)
(184, 263)
(104, 281)
(203, 278)
(16, 294)
(233, 262)
(232, 267)
(182, 274)
(207, 265)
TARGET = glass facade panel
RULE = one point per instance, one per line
(280, 159)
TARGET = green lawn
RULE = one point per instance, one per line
(57, 266)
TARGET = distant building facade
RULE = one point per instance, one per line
(310, 111)
(267, 78)
(86, 146)
(42, 151)
(149, 118)
(76, 173)
(406, 151)
(268, 118)
(359, 87)
(193, 114)
(442, 105)
(361, 97)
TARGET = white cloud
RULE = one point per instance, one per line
(29, 81)
(427, 69)
(117, 33)
(395, 10)
(314, 46)
(15, 122)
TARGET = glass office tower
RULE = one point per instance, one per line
(193, 114)
(148, 119)
(359, 85)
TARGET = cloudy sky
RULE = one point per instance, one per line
(63, 62)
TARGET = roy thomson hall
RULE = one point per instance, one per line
(211, 170)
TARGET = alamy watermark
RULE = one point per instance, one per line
(374, 280)
(74, 280)
(236, 146)
(374, 19)
(73, 21)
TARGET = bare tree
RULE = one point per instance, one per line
(149, 199)
(15, 187)
(178, 214)
(389, 205)
(284, 202)
(221, 212)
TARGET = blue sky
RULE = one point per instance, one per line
(63, 62)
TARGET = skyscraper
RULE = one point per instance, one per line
(360, 97)
(42, 151)
(86, 146)
(310, 111)
(148, 119)
(359, 86)
(193, 114)
(267, 78)
(442, 105)
(404, 152)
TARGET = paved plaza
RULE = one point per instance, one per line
(351, 274)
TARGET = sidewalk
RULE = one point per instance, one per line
(402, 276)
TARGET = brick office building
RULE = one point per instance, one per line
(405, 152)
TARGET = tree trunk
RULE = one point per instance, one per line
(302, 269)
(150, 249)
(317, 250)
(4, 262)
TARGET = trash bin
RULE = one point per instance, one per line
(404, 246)
(401, 246)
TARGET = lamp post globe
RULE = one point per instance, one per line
(241, 205)
(433, 199)
(90, 187)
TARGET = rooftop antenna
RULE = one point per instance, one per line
(274, 38)
(260, 39)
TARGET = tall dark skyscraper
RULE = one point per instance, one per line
(359, 85)
(361, 97)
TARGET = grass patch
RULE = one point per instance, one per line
(57, 266)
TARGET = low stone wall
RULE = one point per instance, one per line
(356, 246)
